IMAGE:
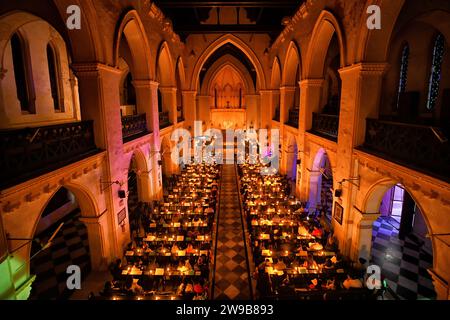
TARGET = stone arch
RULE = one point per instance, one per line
(275, 80)
(219, 65)
(165, 70)
(375, 193)
(292, 156)
(228, 38)
(374, 44)
(326, 26)
(372, 211)
(316, 176)
(180, 70)
(85, 199)
(86, 44)
(291, 65)
(88, 209)
(132, 29)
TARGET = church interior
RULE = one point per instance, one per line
(349, 100)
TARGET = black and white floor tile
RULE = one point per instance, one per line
(70, 247)
(231, 273)
(403, 263)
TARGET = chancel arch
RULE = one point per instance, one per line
(228, 90)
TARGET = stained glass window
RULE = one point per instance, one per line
(436, 69)
(403, 72)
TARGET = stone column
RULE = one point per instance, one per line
(362, 235)
(267, 108)
(360, 94)
(100, 102)
(147, 102)
(97, 237)
(441, 286)
(310, 95)
(190, 109)
(144, 180)
(169, 102)
(287, 96)
(144, 103)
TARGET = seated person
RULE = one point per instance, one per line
(175, 249)
(190, 249)
(136, 288)
(352, 283)
(315, 246)
(317, 233)
(302, 231)
(310, 263)
(331, 243)
(189, 288)
(279, 265)
(330, 284)
(187, 265)
(328, 264)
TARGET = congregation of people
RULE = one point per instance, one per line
(170, 256)
(295, 252)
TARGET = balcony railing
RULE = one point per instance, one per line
(164, 120)
(293, 117)
(277, 114)
(30, 152)
(325, 125)
(134, 127)
(422, 148)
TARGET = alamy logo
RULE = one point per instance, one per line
(374, 279)
(74, 19)
(74, 280)
(374, 20)
(208, 147)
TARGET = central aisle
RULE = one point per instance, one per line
(231, 271)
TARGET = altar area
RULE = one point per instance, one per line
(228, 118)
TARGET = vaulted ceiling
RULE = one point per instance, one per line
(250, 16)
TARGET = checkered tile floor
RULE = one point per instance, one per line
(403, 262)
(70, 247)
(231, 276)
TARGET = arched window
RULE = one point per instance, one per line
(21, 73)
(403, 72)
(436, 69)
(53, 72)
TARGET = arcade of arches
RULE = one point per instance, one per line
(87, 123)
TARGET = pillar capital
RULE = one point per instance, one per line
(366, 68)
(169, 89)
(92, 220)
(93, 69)
(311, 82)
(189, 92)
(287, 89)
(365, 218)
(144, 84)
(270, 91)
